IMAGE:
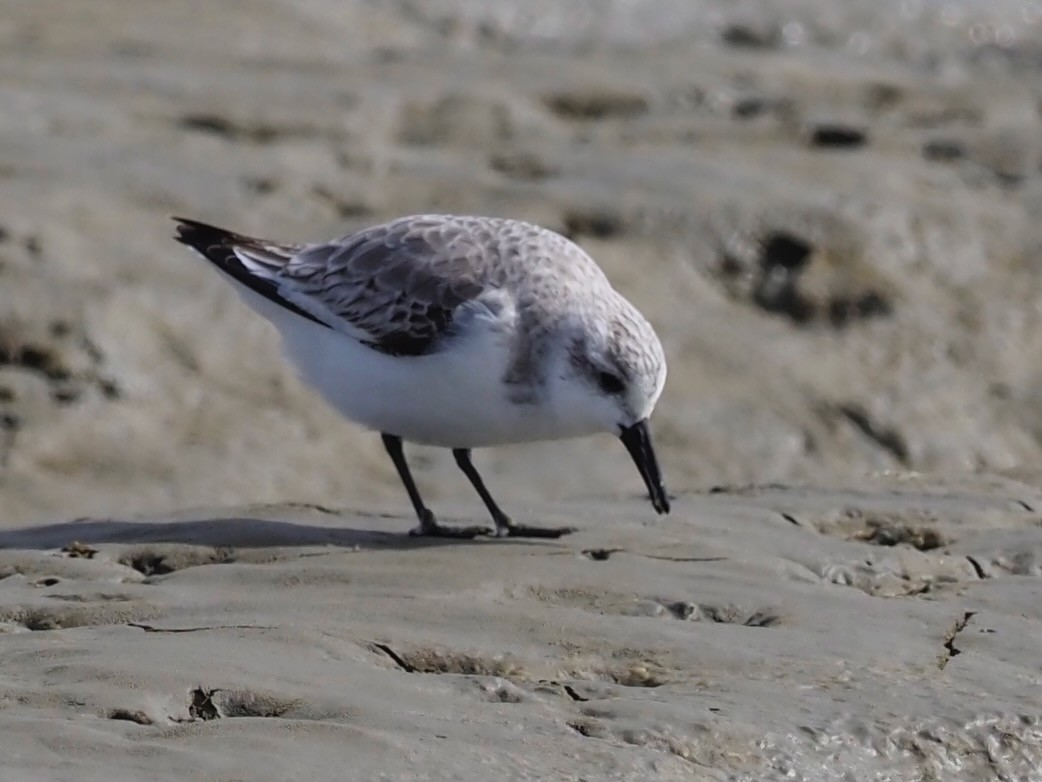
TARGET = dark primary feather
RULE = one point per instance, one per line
(399, 284)
(216, 245)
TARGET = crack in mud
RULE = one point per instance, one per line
(667, 558)
(583, 729)
(575, 696)
(129, 715)
(887, 438)
(950, 649)
(202, 706)
(152, 629)
(312, 506)
(977, 568)
(600, 554)
(395, 657)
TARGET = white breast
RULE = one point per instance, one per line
(454, 398)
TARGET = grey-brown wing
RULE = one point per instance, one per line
(396, 287)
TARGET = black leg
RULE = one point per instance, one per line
(504, 526)
(428, 524)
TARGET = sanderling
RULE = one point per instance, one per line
(459, 332)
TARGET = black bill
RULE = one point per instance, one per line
(637, 439)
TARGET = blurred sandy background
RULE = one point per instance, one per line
(829, 210)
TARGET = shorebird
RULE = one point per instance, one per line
(456, 331)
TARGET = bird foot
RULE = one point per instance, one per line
(440, 531)
(509, 529)
(430, 528)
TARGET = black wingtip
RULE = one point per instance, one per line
(217, 245)
(200, 236)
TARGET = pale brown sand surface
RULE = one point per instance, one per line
(830, 212)
(754, 633)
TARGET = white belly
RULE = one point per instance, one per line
(447, 399)
(452, 399)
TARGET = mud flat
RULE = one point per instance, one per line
(829, 212)
(887, 629)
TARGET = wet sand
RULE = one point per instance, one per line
(828, 213)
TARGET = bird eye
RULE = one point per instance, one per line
(609, 383)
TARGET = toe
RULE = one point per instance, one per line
(519, 531)
(439, 531)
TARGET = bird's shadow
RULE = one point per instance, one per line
(233, 531)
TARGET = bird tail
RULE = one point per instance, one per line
(253, 263)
